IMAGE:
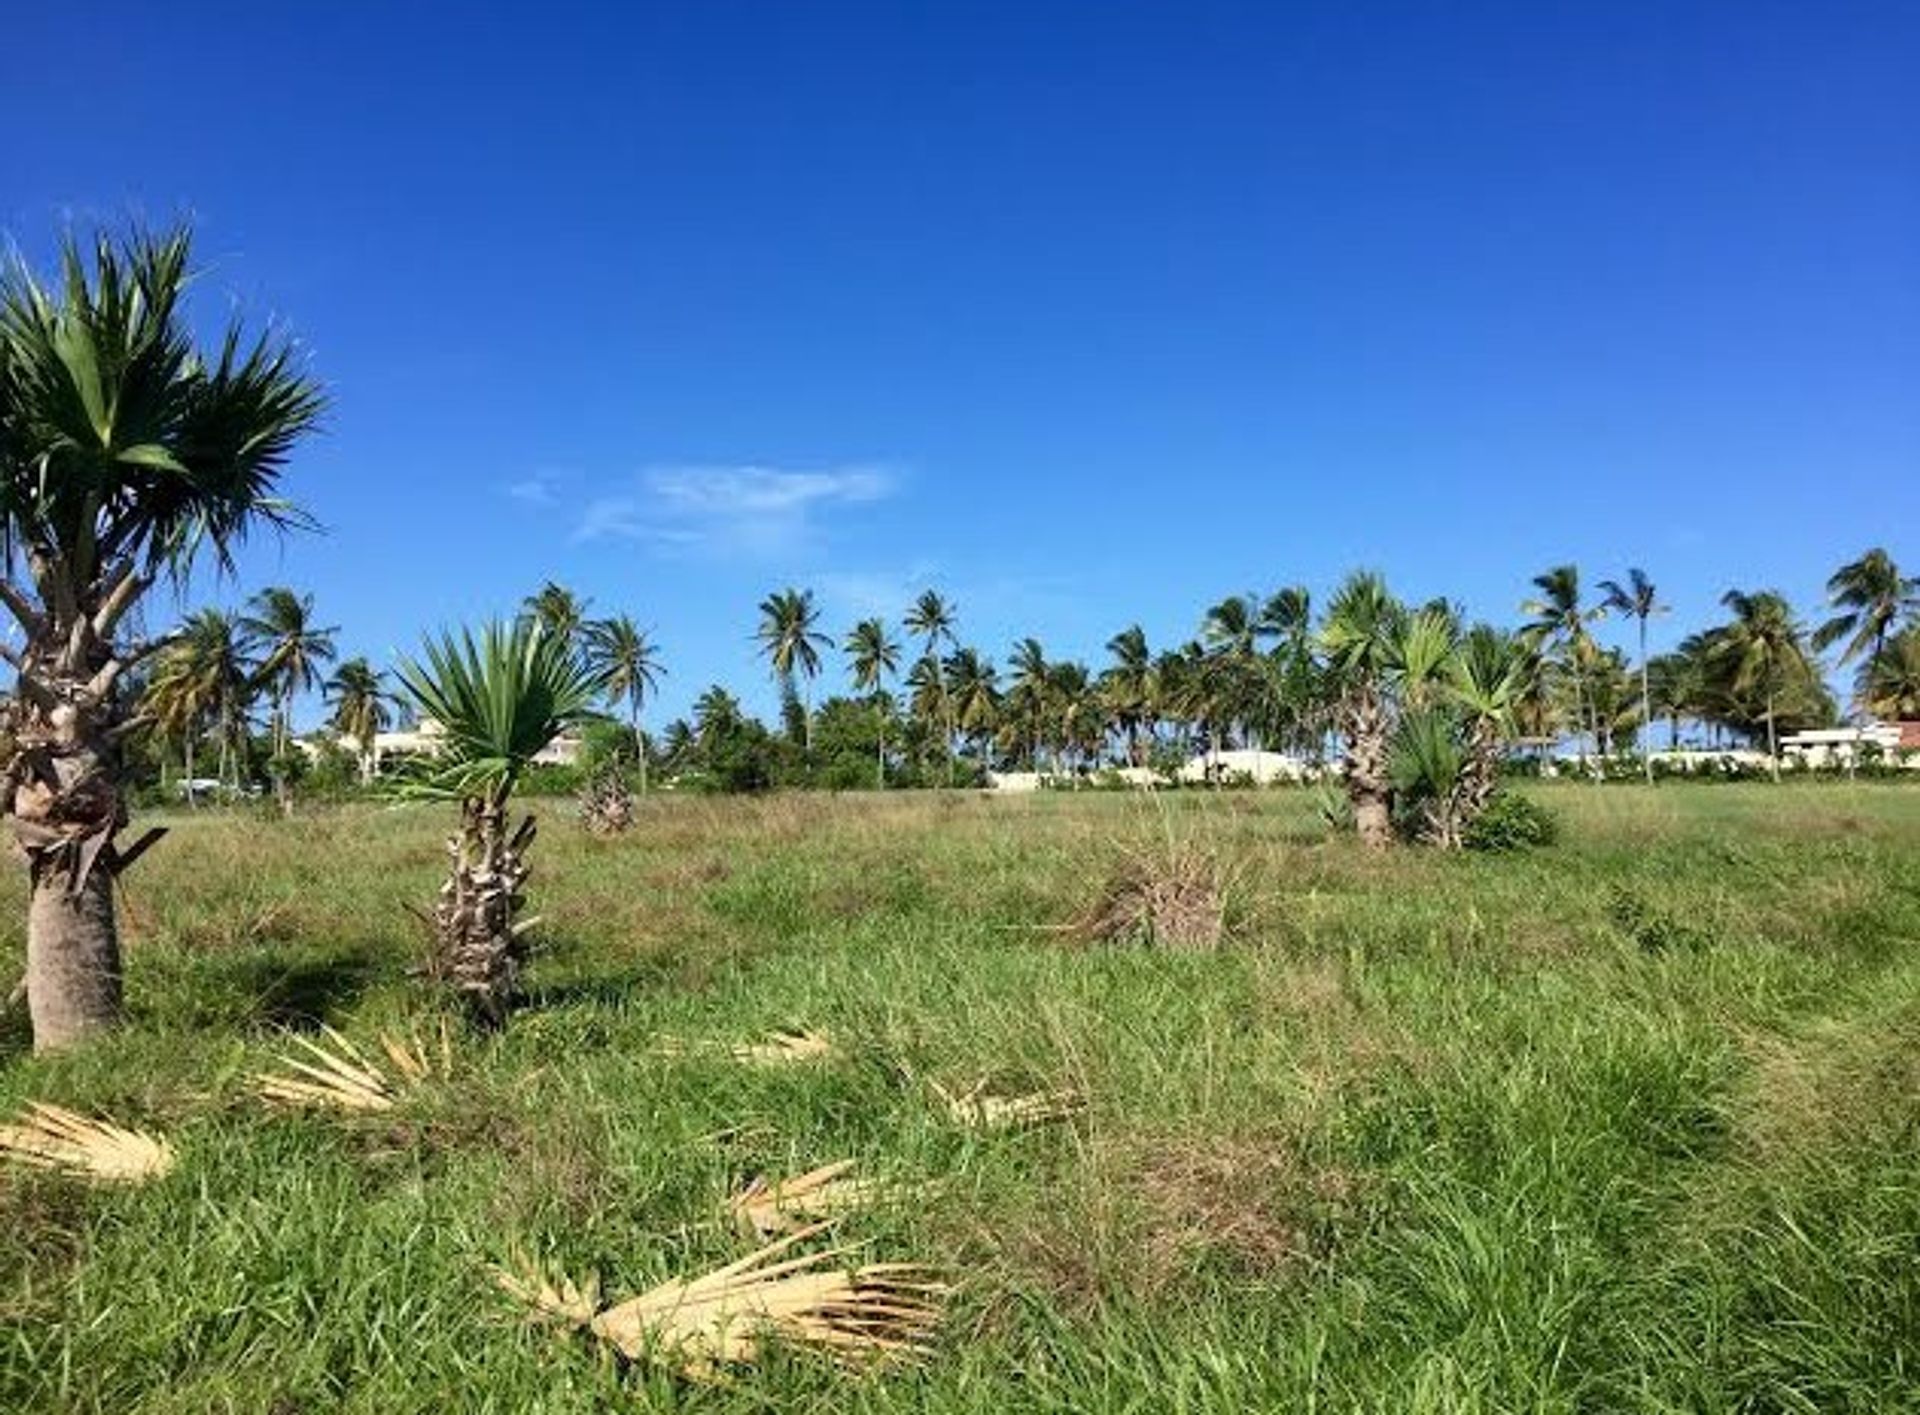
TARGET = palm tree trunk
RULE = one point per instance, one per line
(478, 950)
(1646, 706)
(880, 751)
(1773, 743)
(639, 745)
(1366, 776)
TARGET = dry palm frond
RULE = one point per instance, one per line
(49, 1137)
(982, 1110)
(780, 1206)
(859, 1316)
(779, 1048)
(1172, 897)
(340, 1075)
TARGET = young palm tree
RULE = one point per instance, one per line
(1870, 595)
(1359, 638)
(933, 618)
(124, 452)
(791, 640)
(1559, 619)
(875, 657)
(1639, 601)
(620, 653)
(358, 694)
(1487, 679)
(1763, 649)
(499, 700)
(1893, 678)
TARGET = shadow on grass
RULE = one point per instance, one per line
(302, 994)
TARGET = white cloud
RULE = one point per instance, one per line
(542, 488)
(734, 508)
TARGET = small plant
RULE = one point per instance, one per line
(1649, 926)
(498, 700)
(1511, 822)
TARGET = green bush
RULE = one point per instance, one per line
(1512, 822)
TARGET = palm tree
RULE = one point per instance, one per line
(791, 641)
(499, 700)
(1893, 678)
(124, 451)
(624, 658)
(1638, 600)
(1487, 681)
(1763, 647)
(1127, 685)
(278, 628)
(932, 618)
(1027, 694)
(1560, 619)
(1870, 594)
(875, 657)
(558, 610)
(973, 695)
(201, 683)
(1359, 638)
(358, 692)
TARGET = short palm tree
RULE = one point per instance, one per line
(622, 655)
(1762, 649)
(1487, 681)
(1869, 596)
(1639, 601)
(792, 642)
(1359, 638)
(358, 694)
(499, 700)
(874, 657)
(124, 452)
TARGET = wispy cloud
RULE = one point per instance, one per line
(542, 488)
(750, 509)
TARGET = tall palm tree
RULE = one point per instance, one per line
(124, 452)
(499, 700)
(874, 657)
(360, 698)
(1869, 596)
(973, 689)
(201, 683)
(1127, 684)
(1893, 678)
(624, 658)
(1560, 620)
(1638, 600)
(1027, 694)
(1359, 637)
(932, 617)
(1763, 647)
(792, 642)
(278, 629)
(558, 610)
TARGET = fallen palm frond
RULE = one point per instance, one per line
(779, 1048)
(858, 1316)
(343, 1077)
(50, 1137)
(779, 1206)
(1167, 897)
(981, 1109)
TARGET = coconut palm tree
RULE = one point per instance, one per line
(624, 658)
(1639, 601)
(359, 696)
(1359, 638)
(499, 699)
(1560, 620)
(1869, 596)
(874, 657)
(933, 618)
(124, 453)
(278, 629)
(558, 610)
(202, 682)
(1027, 694)
(792, 643)
(1127, 685)
(973, 696)
(1763, 648)
(1893, 678)
(716, 714)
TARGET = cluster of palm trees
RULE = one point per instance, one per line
(1261, 672)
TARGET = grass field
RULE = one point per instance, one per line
(1629, 1123)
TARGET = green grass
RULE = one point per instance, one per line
(1631, 1123)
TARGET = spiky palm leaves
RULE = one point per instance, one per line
(124, 451)
(336, 1074)
(1893, 678)
(874, 656)
(1869, 596)
(358, 694)
(624, 657)
(1359, 638)
(54, 1138)
(1764, 649)
(499, 700)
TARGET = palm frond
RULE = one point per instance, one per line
(339, 1076)
(979, 1108)
(52, 1137)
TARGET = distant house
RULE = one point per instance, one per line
(1836, 746)
(426, 738)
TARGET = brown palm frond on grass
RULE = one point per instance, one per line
(980, 1109)
(341, 1076)
(1171, 895)
(52, 1137)
(768, 1207)
(780, 1048)
(857, 1316)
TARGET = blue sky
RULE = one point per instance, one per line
(1081, 313)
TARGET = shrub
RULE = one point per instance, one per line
(1511, 822)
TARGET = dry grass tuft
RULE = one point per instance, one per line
(340, 1076)
(857, 1317)
(780, 1206)
(51, 1137)
(979, 1109)
(1171, 895)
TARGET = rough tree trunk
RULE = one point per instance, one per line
(1366, 771)
(478, 947)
